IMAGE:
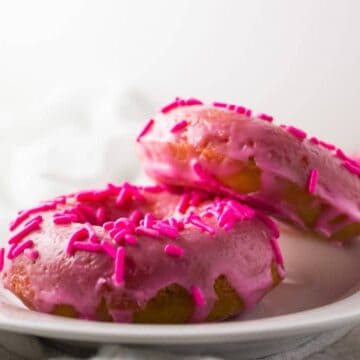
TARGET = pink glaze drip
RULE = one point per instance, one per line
(2, 258)
(312, 181)
(299, 134)
(265, 117)
(174, 250)
(119, 272)
(31, 226)
(146, 129)
(27, 213)
(181, 125)
(198, 296)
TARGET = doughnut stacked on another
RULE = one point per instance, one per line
(142, 254)
(278, 169)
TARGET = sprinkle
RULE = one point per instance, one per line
(130, 239)
(16, 249)
(327, 145)
(140, 230)
(231, 107)
(119, 266)
(92, 195)
(299, 134)
(31, 254)
(167, 230)
(113, 189)
(312, 181)
(198, 296)
(146, 129)
(120, 235)
(341, 155)
(219, 104)
(64, 219)
(248, 112)
(174, 250)
(135, 217)
(109, 249)
(179, 126)
(315, 140)
(199, 171)
(113, 232)
(197, 197)
(153, 188)
(122, 223)
(193, 101)
(353, 168)
(173, 105)
(27, 213)
(265, 117)
(87, 211)
(2, 256)
(84, 246)
(109, 225)
(149, 220)
(240, 109)
(100, 215)
(226, 219)
(183, 203)
(242, 212)
(31, 226)
(91, 233)
(79, 234)
(196, 221)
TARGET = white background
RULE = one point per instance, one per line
(76, 75)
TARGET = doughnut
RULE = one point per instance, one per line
(226, 149)
(142, 254)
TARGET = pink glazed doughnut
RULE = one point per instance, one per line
(142, 254)
(278, 169)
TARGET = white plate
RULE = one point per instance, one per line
(322, 292)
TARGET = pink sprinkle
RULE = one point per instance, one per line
(135, 217)
(179, 126)
(167, 230)
(64, 219)
(140, 230)
(109, 249)
(353, 168)
(196, 221)
(193, 101)
(100, 215)
(31, 254)
(122, 223)
(198, 296)
(119, 272)
(122, 197)
(173, 105)
(341, 155)
(92, 195)
(240, 109)
(153, 188)
(146, 129)
(31, 226)
(197, 197)
(327, 145)
(16, 249)
(113, 189)
(27, 213)
(265, 117)
(231, 107)
(2, 258)
(80, 234)
(312, 181)
(183, 203)
(119, 236)
(299, 134)
(227, 218)
(315, 140)
(113, 232)
(90, 247)
(87, 211)
(149, 220)
(248, 112)
(130, 239)
(219, 104)
(174, 250)
(108, 225)
(92, 234)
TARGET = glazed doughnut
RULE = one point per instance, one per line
(278, 169)
(142, 254)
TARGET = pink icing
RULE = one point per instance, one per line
(198, 296)
(119, 266)
(146, 129)
(174, 250)
(181, 125)
(2, 255)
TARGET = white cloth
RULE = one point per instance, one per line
(84, 142)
